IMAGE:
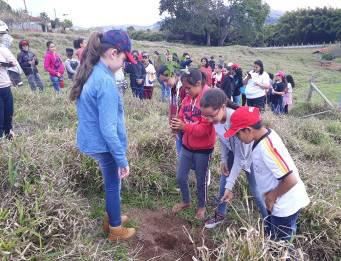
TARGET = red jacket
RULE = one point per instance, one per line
(199, 134)
(208, 72)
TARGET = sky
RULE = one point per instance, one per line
(87, 13)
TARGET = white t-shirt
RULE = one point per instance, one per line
(119, 75)
(252, 91)
(150, 75)
(271, 163)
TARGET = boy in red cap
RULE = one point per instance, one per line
(276, 175)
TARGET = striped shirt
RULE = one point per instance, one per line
(272, 162)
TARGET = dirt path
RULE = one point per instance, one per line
(161, 236)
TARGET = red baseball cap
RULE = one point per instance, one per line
(280, 74)
(235, 66)
(119, 39)
(242, 118)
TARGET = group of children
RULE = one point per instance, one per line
(198, 114)
(203, 105)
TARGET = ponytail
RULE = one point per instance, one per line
(90, 57)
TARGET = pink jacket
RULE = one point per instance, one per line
(53, 64)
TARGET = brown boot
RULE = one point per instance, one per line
(124, 220)
(120, 233)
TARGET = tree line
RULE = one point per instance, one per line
(219, 22)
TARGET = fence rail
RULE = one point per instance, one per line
(299, 46)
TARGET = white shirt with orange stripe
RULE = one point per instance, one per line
(272, 162)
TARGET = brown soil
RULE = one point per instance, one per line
(160, 236)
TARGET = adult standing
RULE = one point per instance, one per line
(7, 60)
(101, 132)
(257, 82)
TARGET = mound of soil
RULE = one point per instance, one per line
(160, 236)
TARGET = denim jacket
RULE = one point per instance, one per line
(101, 126)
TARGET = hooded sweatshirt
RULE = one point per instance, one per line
(53, 63)
(199, 134)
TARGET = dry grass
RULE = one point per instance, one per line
(50, 192)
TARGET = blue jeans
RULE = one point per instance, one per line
(281, 228)
(6, 110)
(236, 99)
(112, 186)
(165, 91)
(201, 163)
(138, 91)
(55, 83)
(223, 207)
(178, 143)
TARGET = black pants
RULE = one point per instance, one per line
(6, 110)
(257, 102)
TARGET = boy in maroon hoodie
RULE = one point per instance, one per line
(197, 142)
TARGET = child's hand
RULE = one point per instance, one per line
(270, 200)
(224, 170)
(123, 172)
(228, 196)
(177, 124)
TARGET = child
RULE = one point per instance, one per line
(276, 175)
(211, 62)
(54, 66)
(217, 76)
(101, 132)
(235, 155)
(150, 77)
(237, 73)
(79, 44)
(206, 69)
(137, 74)
(28, 62)
(287, 99)
(71, 64)
(171, 79)
(197, 143)
(7, 60)
(277, 93)
(121, 81)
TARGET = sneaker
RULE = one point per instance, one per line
(214, 221)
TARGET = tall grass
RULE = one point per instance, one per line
(52, 196)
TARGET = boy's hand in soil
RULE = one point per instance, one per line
(177, 124)
(123, 172)
(270, 199)
(228, 196)
(224, 170)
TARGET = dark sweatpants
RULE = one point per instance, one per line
(200, 162)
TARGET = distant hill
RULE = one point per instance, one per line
(153, 27)
(274, 16)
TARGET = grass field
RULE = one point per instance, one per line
(52, 199)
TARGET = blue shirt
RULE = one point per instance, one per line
(101, 126)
